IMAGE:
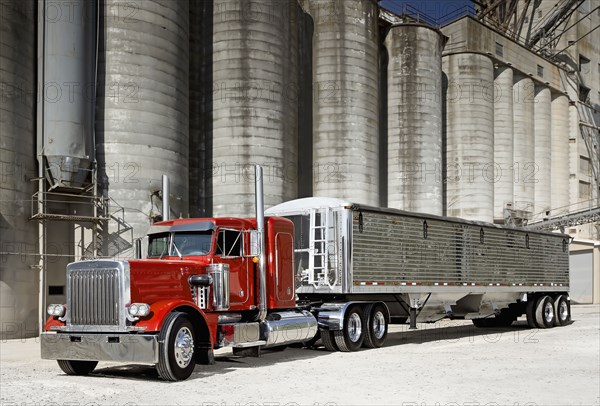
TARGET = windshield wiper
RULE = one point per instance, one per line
(177, 250)
(164, 251)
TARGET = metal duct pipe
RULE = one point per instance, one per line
(138, 248)
(260, 228)
(166, 207)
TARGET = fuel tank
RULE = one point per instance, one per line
(288, 327)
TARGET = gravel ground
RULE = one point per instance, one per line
(446, 363)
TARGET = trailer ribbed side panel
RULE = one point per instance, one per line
(396, 250)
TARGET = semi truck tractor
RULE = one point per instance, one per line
(313, 271)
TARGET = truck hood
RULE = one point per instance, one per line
(154, 279)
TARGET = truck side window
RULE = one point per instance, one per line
(229, 243)
(158, 245)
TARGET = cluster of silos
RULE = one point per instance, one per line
(503, 130)
(531, 145)
(142, 109)
(254, 102)
(18, 235)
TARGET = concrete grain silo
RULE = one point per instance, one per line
(201, 85)
(414, 100)
(542, 150)
(559, 171)
(503, 141)
(345, 100)
(524, 143)
(142, 112)
(470, 136)
(254, 103)
(18, 235)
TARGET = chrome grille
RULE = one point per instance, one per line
(94, 297)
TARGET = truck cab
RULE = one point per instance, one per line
(199, 288)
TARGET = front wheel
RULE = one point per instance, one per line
(176, 348)
(352, 334)
(76, 367)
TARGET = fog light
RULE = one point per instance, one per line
(139, 309)
(57, 310)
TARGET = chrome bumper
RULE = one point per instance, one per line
(141, 348)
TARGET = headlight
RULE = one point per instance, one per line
(139, 309)
(57, 310)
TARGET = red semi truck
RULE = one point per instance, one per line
(312, 271)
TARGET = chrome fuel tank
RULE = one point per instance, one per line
(288, 327)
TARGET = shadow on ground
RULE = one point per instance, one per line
(426, 333)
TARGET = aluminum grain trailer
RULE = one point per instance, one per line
(408, 266)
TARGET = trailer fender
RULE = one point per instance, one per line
(330, 316)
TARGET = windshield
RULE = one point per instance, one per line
(179, 244)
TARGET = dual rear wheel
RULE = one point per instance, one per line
(542, 312)
(550, 312)
(363, 326)
(546, 312)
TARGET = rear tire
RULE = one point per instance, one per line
(562, 311)
(544, 312)
(328, 340)
(530, 312)
(76, 367)
(176, 360)
(376, 326)
(352, 334)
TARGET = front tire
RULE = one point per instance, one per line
(352, 334)
(176, 348)
(76, 367)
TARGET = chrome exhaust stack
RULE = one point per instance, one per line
(260, 228)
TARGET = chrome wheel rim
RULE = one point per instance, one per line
(549, 312)
(378, 325)
(184, 347)
(354, 327)
(563, 311)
